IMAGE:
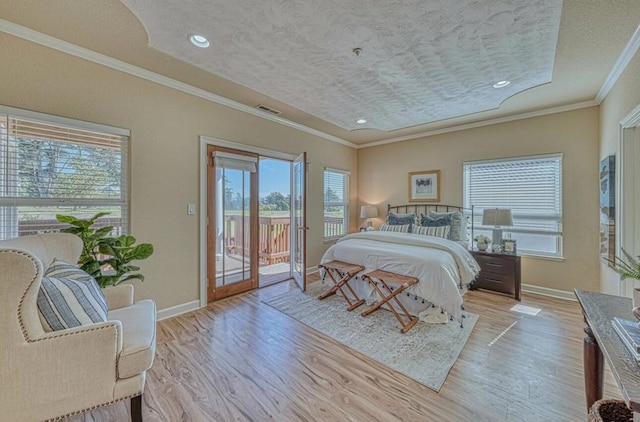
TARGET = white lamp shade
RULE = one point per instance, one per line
(368, 211)
(497, 217)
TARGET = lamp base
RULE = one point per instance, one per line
(496, 239)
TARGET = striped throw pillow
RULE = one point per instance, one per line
(69, 297)
(442, 231)
(400, 228)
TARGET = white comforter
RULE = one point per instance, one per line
(440, 265)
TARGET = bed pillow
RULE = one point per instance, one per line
(400, 228)
(397, 219)
(458, 224)
(429, 221)
(437, 231)
(69, 297)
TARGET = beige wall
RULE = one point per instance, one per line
(621, 100)
(382, 179)
(165, 127)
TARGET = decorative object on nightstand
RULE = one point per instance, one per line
(509, 246)
(499, 273)
(369, 212)
(497, 217)
(482, 242)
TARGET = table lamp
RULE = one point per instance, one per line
(497, 217)
(369, 212)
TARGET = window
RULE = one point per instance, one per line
(531, 187)
(336, 203)
(51, 165)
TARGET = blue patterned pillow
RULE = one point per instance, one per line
(395, 219)
(69, 297)
(427, 221)
(458, 224)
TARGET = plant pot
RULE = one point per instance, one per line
(482, 246)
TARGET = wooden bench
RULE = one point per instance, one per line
(380, 278)
(344, 272)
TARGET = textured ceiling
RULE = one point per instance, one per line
(422, 61)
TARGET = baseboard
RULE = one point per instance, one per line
(178, 310)
(546, 291)
(311, 270)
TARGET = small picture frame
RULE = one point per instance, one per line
(509, 246)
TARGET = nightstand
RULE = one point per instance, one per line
(498, 272)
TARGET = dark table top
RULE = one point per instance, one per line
(599, 310)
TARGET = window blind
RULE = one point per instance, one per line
(531, 187)
(336, 201)
(48, 168)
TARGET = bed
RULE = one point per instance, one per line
(443, 266)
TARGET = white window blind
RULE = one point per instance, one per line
(336, 202)
(49, 168)
(531, 187)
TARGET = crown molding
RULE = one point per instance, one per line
(104, 60)
(57, 44)
(521, 116)
(628, 52)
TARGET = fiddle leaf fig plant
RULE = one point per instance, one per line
(628, 267)
(107, 259)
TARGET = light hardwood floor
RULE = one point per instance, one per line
(241, 360)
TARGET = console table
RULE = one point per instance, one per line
(602, 341)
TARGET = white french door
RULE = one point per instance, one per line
(299, 220)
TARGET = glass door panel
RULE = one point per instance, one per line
(232, 229)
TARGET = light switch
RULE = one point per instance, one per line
(191, 209)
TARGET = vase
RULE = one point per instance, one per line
(482, 246)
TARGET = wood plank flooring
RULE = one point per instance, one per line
(241, 360)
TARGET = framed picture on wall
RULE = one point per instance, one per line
(424, 186)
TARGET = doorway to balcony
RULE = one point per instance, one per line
(274, 209)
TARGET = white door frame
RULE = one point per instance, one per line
(204, 142)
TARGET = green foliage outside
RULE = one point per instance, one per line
(99, 250)
(53, 169)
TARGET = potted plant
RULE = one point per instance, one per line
(628, 267)
(105, 258)
(482, 242)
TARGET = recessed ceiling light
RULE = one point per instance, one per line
(361, 121)
(501, 84)
(199, 40)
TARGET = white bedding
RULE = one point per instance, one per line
(440, 265)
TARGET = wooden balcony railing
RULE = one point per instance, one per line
(273, 238)
(29, 227)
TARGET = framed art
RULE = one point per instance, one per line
(509, 246)
(424, 186)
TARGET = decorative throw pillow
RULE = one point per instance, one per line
(428, 221)
(458, 224)
(69, 297)
(404, 228)
(395, 219)
(440, 231)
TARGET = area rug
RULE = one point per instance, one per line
(426, 353)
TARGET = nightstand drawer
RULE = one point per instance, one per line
(496, 264)
(504, 283)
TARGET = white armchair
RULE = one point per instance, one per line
(50, 375)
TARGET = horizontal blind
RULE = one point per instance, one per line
(336, 193)
(531, 187)
(48, 168)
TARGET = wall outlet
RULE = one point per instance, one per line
(191, 209)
